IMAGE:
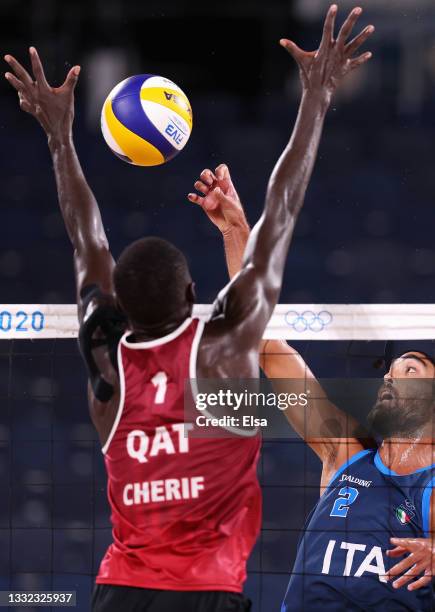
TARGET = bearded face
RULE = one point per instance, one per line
(404, 408)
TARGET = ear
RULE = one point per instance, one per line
(118, 304)
(191, 293)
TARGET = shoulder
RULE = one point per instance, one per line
(101, 328)
(91, 298)
(428, 505)
(222, 353)
(99, 310)
(346, 453)
(432, 511)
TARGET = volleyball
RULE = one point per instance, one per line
(146, 120)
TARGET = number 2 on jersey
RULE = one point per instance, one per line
(160, 380)
(341, 505)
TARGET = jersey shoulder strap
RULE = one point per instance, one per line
(426, 497)
(104, 327)
(356, 457)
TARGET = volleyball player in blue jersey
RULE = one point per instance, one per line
(376, 505)
(368, 543)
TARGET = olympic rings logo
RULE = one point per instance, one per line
(308, 320)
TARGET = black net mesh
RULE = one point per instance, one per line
(54, 516)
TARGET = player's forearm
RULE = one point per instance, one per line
(255, 291)
(291, 175)
(235, 240)
(77, 203)
(279, 360)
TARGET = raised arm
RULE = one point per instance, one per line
(248, 301)
(321, 424)
(53, 107)
(220, 201)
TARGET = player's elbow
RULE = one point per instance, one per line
(281, 215)
(94, 244)
(265, 278)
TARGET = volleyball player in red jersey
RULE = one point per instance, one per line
(185, 511)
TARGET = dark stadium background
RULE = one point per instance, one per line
(366, 234)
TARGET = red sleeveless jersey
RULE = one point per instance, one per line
(186, 511)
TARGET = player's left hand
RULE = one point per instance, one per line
(53, 107)
(220, 200)
(420, 560)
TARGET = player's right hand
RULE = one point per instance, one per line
(53, 107)
(219, 199)
(321, 71)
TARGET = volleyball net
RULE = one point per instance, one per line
(54, 515)
(289, 321)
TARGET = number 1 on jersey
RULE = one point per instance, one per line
(160, 380)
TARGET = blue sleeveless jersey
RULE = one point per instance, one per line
(341, 561)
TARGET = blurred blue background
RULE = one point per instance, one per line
(365, 234)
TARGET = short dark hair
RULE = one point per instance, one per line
(151, 279)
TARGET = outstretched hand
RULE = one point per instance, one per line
(53, 107)
(418, 567)
(220, 200)
(322, 70)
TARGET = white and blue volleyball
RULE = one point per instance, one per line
(146, 120)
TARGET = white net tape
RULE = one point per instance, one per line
(289, 321)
